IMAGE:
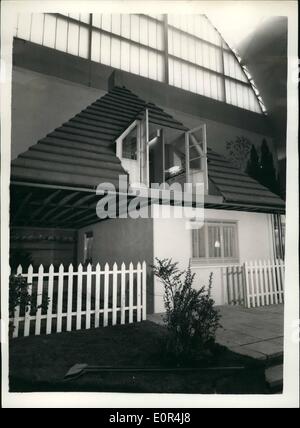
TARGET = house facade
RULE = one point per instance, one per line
(167, 112)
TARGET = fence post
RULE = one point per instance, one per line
(279, 280)
(39, 299)
(267, 290)
(114, 296)
(130, 292)
(274, 283)
(79, 297)
(138, 303)
(50, 298)
(70, 298)
(106, 285)
(270, 283)
(123, 282)
(27, 312)
(228, 285)
(60, 298)
(97, 295)
(144, 291)
(281, 288)
(261, 283)
(88, 297)
(247, 287)
(256, 284)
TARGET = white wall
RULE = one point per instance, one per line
(173, 239)
(42, 103)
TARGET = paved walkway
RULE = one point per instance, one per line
(257, 333)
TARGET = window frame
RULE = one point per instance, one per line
(88, 235)
(217, 260)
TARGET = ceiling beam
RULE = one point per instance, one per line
(22, 205)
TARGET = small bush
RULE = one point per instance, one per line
(190, 317)
(20, 296)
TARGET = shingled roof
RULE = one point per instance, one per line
(236, 186)
(80, 153)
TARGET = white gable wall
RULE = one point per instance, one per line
(173, 239)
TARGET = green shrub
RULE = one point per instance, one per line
(191, 318)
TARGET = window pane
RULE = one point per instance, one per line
(198, 237)
(191, 51)
(176, 44)
(106, 22)
(125, 26)
(125, 56)
(206, 60)
(200, 81)
(199, 53)
(83, 42)
(240, 95)
(184, 46)
(134, 59)
(214, 86)
(160, 68)
(177, 74)
(170, 42)
(152, 34)
(73, 39)
(115, 53)
(233, 89)
(159, 37)
(171, 71)
(129, 145)
(49, 31)
(97, 20)
(144, 31)
(144, 62)
(24, 26)
(192, 79)
(221, 95)
(116, 24)
(212, 58)
(135, 28)
(61, 35)
(152, 65)
(105, 49)
(74, 16)
(229, 241)
(37, 28)
(96, 40)
(214, 241)
(206, 84)
(85, 17)
(185, 76)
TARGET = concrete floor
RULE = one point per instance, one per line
(256, 332)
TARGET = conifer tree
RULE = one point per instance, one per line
(267, 170)
(253, 165)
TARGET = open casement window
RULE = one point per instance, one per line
(132, 148)
(196, 156)
(128, 151)
(216, 242)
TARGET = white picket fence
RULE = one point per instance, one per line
(82, 299)
(264, 283)
(255, 283)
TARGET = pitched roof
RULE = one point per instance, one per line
(80, 153)
(236, 186)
